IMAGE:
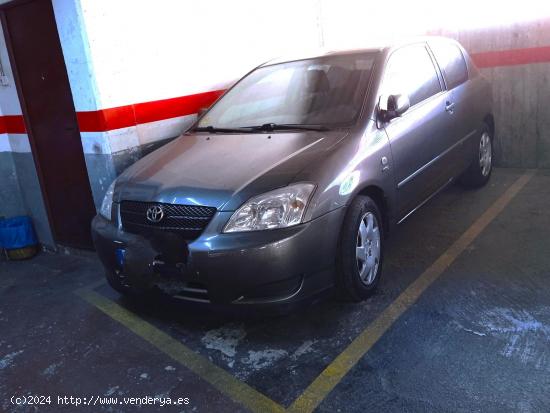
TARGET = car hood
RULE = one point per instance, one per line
(222, 170)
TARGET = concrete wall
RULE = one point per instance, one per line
(11, 203)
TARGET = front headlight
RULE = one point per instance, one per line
(107, 203)
(280, 208)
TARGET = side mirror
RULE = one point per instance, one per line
(393, 106)
(202, 111)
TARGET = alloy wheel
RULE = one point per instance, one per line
(367, 250)
(485, 154)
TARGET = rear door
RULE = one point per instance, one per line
(417, 138)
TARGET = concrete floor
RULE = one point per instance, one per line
(478, 339)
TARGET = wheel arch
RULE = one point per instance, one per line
(489, 119)
(379, 196)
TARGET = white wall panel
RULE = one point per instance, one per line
(144, 51)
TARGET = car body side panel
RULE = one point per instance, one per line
(353, 165)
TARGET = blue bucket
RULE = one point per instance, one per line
(17, 232)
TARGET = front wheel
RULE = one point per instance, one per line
(479, 171)
(361, 250)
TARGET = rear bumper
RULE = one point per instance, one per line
(277, 267)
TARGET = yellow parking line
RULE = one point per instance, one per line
(216, 376)
(333, 374)
(91, 286)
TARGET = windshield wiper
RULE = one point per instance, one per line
(268, 127)
(213, 129)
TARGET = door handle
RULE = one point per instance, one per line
(449, 106)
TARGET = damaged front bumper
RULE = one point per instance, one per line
(283, 266)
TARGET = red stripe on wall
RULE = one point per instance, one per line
(171, 108)
(512, 57)
(131, 115)
(12, 124)
(106, 119)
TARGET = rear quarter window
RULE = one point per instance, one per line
(451, 61)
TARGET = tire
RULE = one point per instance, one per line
(481, 167)
(358, 277)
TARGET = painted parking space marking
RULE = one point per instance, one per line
(216, 376)
(335, 372)
(92, 286)
(320, 388)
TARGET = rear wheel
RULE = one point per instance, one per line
(479, 171)
(361, 250)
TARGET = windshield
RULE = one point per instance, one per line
(326, 91)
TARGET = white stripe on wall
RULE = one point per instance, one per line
(14, 142)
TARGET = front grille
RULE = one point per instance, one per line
(186, 220)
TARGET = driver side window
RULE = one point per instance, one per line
(411, 71)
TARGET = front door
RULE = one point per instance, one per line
(417, 138)
(50, 118)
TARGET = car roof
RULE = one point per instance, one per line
(322, 52)
(316, 53)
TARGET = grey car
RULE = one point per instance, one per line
(287, 187)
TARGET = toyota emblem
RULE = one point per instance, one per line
(155, 214)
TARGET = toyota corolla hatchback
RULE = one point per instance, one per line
(288, 185)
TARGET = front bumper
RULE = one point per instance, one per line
(283, 266)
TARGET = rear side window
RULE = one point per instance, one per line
(451, 61)
(411, 71)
